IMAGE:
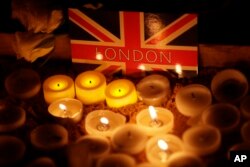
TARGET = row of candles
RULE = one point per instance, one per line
(152, 131)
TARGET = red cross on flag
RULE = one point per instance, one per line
(133, 41)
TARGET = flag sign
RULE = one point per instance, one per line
(133, 42)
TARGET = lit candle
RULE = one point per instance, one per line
(57, 87)
(155, 120)
(185, 159)
(11, 117)
(224, 116)
(229, 85)
(12, 150)
(23, 83)
(129, 138)
(48, 137)
(66, 108)
(245, 131)
(90, 87)
(159, 148)
(153, 89)
(120, 92)
(178, 70)
(192, 99)
(116, 159)
(202, 139)
(103, 122)
(245, 107)
(87, 149)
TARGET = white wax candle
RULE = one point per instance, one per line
(48, 137)
(87, 149)
(245, 107)
(129, 138)
(160, 147)
(229, 85)
(23, 83)
(162, 122)
(90, 87)
(103, 122)
(192, 99)
(184, 159)
(11, 117)
(66, 108)
(224, 116)
(245, 131)
(153, 89)
(58, 86)
(12, 150)
(120, 92)
(116, 159)
(202, 139)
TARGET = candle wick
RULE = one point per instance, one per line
(119, 90)
(129, 135)
(156, 123)
(58, 85)
(90, 81)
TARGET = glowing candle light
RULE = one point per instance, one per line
(66, 109)
(160, 147)
(57, 87)
(155, 120)
(178, 70)
(120, 92)
(103, 122)
(90, 87)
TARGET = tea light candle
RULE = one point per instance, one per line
(87, 149)
(90, 87)
(153, 89)
(224, 116)
(23, 83)
(66, 108)
(155, 120)
(129, 138)
(202, 139)
(58, 86)
(229, 85)
(12, 150)
(159, 148)
(245, 131)
(184, 159)
(192, 99)
(146, 164)
(116, 159)
(245, 107)
(120, 92)
(11, 117)
(103, 122)
(48, 137)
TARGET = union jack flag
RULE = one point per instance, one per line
(132, 42)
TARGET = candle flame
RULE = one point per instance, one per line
(99, 56)
(162, 144)
(142, 67)
(178, 69)
(152, 113)
(62, 107)
(104, 120)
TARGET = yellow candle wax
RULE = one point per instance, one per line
(57, 87)
(120, 93)
(90, 87)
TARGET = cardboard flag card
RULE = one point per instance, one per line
(133, 42)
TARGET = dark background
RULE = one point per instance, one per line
(219, 21)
